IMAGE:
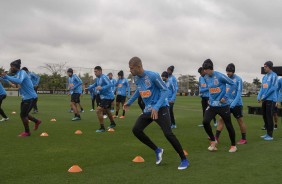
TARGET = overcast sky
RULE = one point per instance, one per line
(183, 33)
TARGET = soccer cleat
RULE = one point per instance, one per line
(105, 116)
(212, 147)
(159, 155)
(24, 134)
(232, 149)
(242, 141)
(121, 117)
(100, 130)
(76, 119)
(82, 111)
(263, 136)
(112, 125)
(115, 116)
(268, 138)
(173, 126)
(4, 119)
(183, 164)
(92, 110)
(37, 124)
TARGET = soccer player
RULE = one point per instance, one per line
(113, 81)
(216, 83)
(28, 95)
(103, 87)
(204, 93)
(75, 87)
(173, 81)
(35, 79)
(267, 95)
(154, 93)
(123, 88)
(3, 95)
(171, 95)
(236, 106)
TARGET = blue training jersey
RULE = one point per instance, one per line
(2, 89)
(34, 78)
(279, 90)
(171, 91)
(152, 89)
(235, 98)
(203, 88)
(268, 87)
(26, 90)
(106, 91)
(122, 86)
(173, 81)
(75, 84)
(217, 88)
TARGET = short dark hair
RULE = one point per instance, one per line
(165, 74)
(171, 68)
(135, 61)
(120, 73)
(70, 70)
(17, 63)
(98, 68)
(208, 64)
(25, 69)
(230, 68)
(200, 70)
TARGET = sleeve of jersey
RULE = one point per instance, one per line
(115, 85)
(164, 91)
(227, 80)
(173, 94)
(16, 80)
(4, 80)
(92, 86)
(134, 97)
(273, 87)
(239, 93)
(37, 79)
(79, 82)
(278, 91)
(108, 83)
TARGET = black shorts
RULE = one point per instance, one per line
(106, 103)
(121, 98)
(2, 97)
(275, 110)
(26, 106)
(98, 99)
(237, 112)
(75, 97)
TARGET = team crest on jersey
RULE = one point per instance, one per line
(145, 94)
(147, 83)
(215, 82)
(120, 85)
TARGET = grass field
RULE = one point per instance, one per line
(106, 157)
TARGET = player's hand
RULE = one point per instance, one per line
(223, 100)
(154, 114)
(98, 87)
(126, 107)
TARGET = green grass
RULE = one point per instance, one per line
(106, 157)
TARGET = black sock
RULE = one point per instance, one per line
(275, 126)
(113, 123)
(102, 126)
(123, 113)
(116, 113)
(244, 136)
(33, 119)
(217, 134)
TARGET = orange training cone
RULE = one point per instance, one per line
(53, 120)
(78, 132)
(111, 130)
(75, 169)
(44, 134)
(185, 152)
(138, 159)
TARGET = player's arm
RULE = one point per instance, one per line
(128, 88)
(92, 86)
(16, 80)
(131, 100)
(239, 94)
(172, 99)
(156, 79)
(226, 80)
(37, 79)
(260, 93)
